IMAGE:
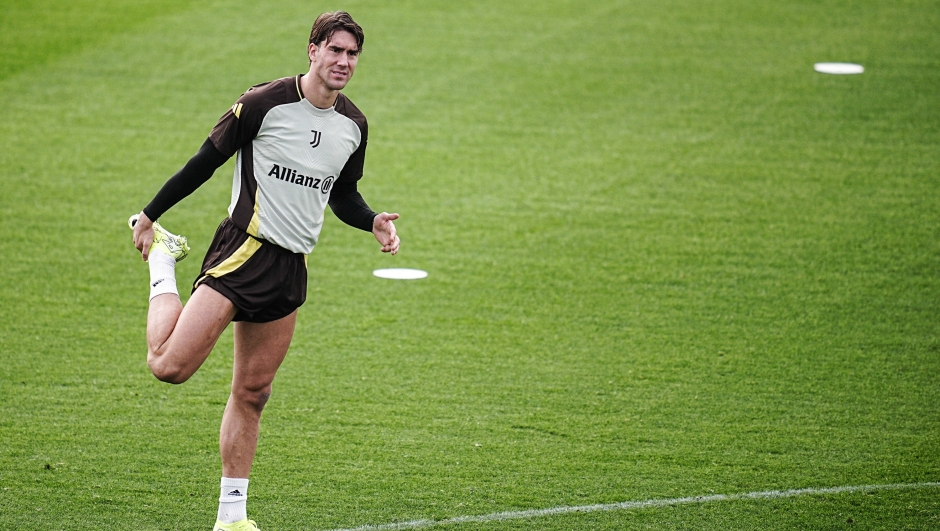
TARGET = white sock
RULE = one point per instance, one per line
(162, 274)
(233, 499)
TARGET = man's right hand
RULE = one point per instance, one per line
(143, 235)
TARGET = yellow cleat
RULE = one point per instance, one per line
(242, 525)
(164, 241)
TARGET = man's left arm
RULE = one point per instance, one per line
(349, 206)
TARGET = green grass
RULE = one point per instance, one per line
(666, 259)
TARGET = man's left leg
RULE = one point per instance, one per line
(259, 350)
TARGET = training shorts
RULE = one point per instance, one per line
(265, 282)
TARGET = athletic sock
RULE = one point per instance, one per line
(162, 274)
(233, 500)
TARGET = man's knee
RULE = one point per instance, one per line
(253, 398)
(168, 372)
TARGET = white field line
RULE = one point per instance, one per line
(606, 507)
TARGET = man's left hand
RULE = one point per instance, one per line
(384, 231)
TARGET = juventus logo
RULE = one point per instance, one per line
(316, 139)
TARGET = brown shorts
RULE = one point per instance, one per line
(265, 282)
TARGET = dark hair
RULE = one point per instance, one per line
(329, 23)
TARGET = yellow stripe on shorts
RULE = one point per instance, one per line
(238, 259)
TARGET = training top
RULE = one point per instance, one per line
(291, 155)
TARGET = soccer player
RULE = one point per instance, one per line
(300, 146)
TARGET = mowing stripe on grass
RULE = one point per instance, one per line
(532, 513)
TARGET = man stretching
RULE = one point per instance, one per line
(300, 146)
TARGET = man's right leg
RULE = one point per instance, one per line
(179, 339)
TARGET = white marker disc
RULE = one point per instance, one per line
(400, 274)
(838, 68)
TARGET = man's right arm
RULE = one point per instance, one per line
(193, 175)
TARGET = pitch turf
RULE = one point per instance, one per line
(666, 259)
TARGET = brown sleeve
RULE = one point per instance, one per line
(240, 124)
(196, 172)
(352, 170)
(345, 200)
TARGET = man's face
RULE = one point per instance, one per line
(334, 60)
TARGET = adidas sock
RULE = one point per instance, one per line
(233, 500)
(162, 274)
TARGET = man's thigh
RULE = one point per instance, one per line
(194, 333)
(259, 350)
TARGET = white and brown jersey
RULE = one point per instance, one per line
(290, 156)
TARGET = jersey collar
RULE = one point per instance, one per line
(306, 103)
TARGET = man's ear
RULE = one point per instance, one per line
(311, 52)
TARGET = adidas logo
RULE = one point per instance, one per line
(155, 285)
(235, 492)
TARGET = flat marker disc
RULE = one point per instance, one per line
(400, 274)
(838, 68)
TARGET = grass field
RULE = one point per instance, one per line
(667, 259)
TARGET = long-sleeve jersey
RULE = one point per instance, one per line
(292, 160)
